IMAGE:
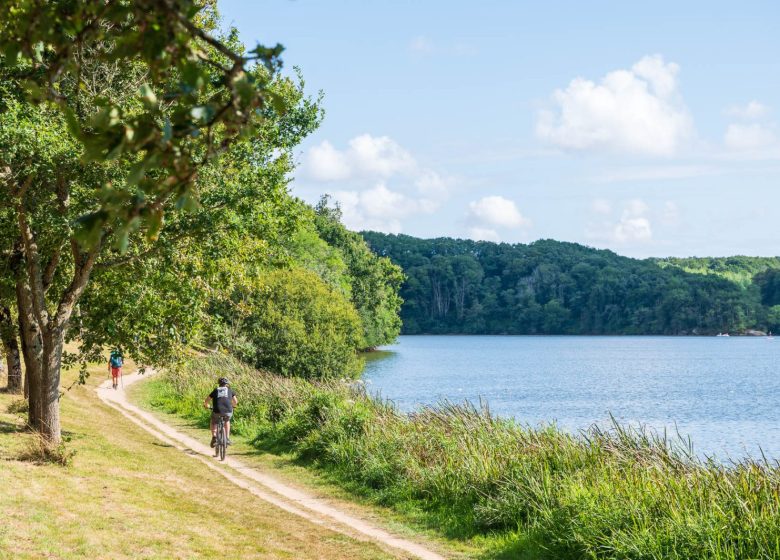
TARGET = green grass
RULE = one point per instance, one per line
(512, 491)
(125, 495)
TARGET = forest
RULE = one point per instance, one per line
(456, 286)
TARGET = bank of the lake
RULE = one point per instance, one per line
(722, 392)
(514, 491)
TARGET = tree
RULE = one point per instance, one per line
(9, 332)
(769, 285)
(773, 318)
(10, 344)
(298, 326)
(111, 115)
(374, 280)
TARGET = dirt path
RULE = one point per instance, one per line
(262, 485)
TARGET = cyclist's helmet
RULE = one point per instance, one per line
(223, 381)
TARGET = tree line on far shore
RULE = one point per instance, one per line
(551, 287)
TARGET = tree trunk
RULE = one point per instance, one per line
(43, 333)
(32, 350)
(50, 387)
(11, 350)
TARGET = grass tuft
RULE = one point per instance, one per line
(39, 451)
(18, 406)
(622, 492)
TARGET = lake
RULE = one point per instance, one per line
(723, 392)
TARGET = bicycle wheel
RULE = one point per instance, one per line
(222, 437)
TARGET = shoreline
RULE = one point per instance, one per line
(491, 483)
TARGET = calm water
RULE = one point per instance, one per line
(722, 392)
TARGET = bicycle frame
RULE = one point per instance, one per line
(221, 446)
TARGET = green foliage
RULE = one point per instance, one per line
(194, 94)
(768, 283)
(550, 287)
(374, 281)
(536, 493)
(269, 289)
(160, 249)
(739, 270)
(307, 249)
(150, 308)
(298, 326)
(773, 318)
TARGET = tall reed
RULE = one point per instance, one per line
(621, 492)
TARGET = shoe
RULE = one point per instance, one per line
(229, 442)
(213, 441)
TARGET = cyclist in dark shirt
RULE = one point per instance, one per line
(223, 399)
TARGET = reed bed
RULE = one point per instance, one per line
(622, 492)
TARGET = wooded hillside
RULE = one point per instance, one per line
(551, 287)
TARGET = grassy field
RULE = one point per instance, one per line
(510, 491)
(125, 495)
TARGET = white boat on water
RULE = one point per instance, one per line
(722, 334)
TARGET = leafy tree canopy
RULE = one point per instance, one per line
(550, 287)
(114, 117)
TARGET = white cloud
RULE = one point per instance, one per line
(749, 136)
(496, 211)
(380, 182)
(326, 163)
(752, 110)
(637, 111)
(484, 234)
(601, 206)
(379, 156)
(632, 228)
(430, 182)
(635, 207)
(367, 156)
(380, 208)
(752, 136)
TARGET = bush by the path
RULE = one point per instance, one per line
(539, 492)
(291, 322)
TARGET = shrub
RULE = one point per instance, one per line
(298, 326)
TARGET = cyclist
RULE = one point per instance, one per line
(223, 399)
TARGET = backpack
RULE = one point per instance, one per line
(116, 360)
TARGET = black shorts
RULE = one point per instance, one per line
(215, 416)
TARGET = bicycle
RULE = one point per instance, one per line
(221, 446)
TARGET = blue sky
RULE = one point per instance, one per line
(646, 128)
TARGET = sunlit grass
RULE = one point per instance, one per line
(125, 495)
(616, 493)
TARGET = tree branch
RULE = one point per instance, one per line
(199, 33)
(33, 261)
(63, 198)
(51, 269)
(73, 292)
